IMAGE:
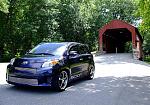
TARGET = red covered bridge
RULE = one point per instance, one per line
(114, 35)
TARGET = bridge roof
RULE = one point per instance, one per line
(118, 24)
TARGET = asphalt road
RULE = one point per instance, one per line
(119, 80)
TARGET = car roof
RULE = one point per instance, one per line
(65, 43)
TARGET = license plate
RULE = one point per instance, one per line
(23, 81)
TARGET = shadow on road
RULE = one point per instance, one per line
(100, 91)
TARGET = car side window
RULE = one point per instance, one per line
(83, 49)
(74, 48)
(86, 48)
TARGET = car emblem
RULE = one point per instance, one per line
(25, 62)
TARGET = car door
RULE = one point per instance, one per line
(75, 62)
(85, 58)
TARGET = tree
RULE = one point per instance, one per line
(3, 26)
(29, 23)
(38, 22)
(70, 24)
(4, 6)
(143, 12)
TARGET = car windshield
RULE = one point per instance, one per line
(49, 49)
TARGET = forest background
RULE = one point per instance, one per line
(25, 23)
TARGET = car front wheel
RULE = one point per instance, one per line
(60, 81)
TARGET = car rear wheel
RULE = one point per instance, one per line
(91, 72)
(60, 81)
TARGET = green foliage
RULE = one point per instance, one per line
(146, 43)
(17, 55)
(143, 13)
(25, 23)
(4, 6)
(128, 47)
(147, 58)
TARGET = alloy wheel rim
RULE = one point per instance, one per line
(63, 80)
(92, 72)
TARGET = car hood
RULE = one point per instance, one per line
(33, 61)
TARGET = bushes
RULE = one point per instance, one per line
(147, 58)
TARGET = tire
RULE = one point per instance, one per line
(91, 72)
(60, 81)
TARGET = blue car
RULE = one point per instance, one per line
(51, 64)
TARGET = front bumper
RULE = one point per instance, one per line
(22, 81)
(26, 77)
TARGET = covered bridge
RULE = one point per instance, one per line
(114, 35)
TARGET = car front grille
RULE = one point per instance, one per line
(31, 70)
(33, 82)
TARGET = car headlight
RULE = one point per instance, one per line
(12, 61)
(50, 63)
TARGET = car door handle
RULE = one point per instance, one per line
(81, 59)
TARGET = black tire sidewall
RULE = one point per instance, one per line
(55, 82)
(89, 70)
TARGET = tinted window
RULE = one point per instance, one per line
(49, 48)
(75, 48)
(83, 49)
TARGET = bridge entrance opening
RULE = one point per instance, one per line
(117, 40)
